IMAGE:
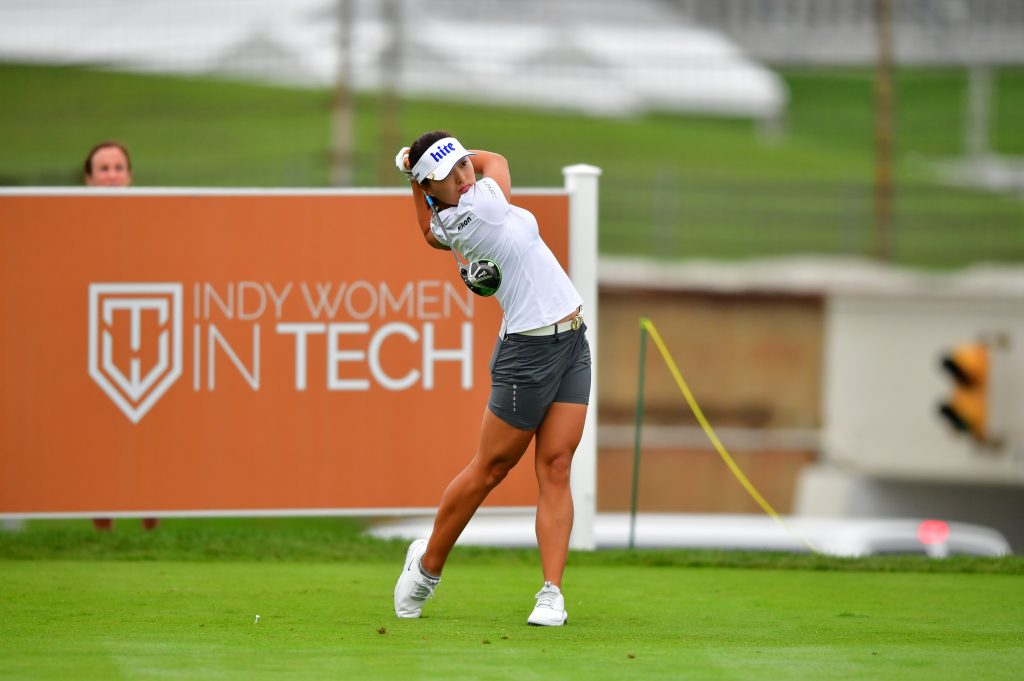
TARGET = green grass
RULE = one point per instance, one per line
(181, 132)
(181, 602)
(87, 620)
(673, 186)
(342, 539)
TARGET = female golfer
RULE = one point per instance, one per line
(540, 368)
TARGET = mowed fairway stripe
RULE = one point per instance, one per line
(109, 620)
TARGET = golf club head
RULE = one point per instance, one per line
(482, 277)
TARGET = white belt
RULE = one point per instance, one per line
(573, 324)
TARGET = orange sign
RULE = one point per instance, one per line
(228, 353)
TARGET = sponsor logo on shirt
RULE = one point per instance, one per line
(465, 221)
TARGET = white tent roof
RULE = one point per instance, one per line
(583, 63)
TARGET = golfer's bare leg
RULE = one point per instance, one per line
(501, 446)
(557, 438)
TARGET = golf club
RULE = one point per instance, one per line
(481, 276)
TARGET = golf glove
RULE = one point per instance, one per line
(400, 162)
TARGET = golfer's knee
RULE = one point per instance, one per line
(555, 467)
(495, 471)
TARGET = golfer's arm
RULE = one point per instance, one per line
(494, 166)
(423, 215)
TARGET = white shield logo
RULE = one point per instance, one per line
(147, 306)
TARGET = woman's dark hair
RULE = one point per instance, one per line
(422, 143)
(87, 166)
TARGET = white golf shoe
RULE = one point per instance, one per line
(413, 587)
(550, 609)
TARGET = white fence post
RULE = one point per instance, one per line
(581, 183)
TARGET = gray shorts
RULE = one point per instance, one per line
(528, 373)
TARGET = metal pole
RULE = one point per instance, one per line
(343, 107)
(883, 132)
(979, 100)
(389, 134)
(639, 428)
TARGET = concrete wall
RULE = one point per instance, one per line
(886, 451)
(883, 384)
(753, 362)
(823, 381)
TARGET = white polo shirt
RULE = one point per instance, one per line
(535, 291)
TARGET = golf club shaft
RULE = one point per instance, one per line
(440, 223)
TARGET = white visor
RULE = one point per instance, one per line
(437, 161)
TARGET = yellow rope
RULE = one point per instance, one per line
(747, 485)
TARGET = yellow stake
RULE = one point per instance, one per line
(747, 485)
